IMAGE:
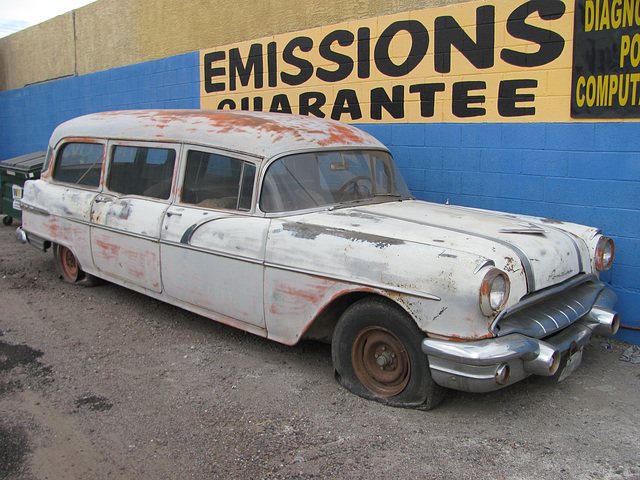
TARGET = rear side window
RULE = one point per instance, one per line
(142, 171)
(218, 181)
(80, 164)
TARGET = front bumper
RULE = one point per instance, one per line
(493, 363)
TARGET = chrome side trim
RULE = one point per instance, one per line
(351, 281)
(187, 246)
(31, 208)
(486, 263)
(374, 285)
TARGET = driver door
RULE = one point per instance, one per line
(212, 249)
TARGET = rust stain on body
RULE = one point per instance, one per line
(288, 298)
(311, 232)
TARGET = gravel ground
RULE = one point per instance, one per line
(107, 383)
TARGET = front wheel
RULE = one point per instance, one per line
(376, 355)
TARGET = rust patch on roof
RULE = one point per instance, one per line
(262, 133)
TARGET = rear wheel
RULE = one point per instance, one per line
(376, 354)
(69, 268)
(67, 264)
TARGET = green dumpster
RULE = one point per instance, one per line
(13, 173)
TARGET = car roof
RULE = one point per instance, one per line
(261, 134)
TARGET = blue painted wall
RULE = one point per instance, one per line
(581, 172)
(29, 115)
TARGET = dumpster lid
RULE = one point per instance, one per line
(24, 163)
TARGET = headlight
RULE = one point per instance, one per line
(494, 291)
(605, 251)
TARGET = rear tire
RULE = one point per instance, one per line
(69, 268)
(376, 355)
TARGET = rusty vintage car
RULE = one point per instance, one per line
(295, 227)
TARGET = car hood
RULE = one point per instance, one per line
(547, 252)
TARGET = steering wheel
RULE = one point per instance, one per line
(352, 184)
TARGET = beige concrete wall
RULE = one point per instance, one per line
(113, 33)
(40, 53)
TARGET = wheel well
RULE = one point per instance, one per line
(322, 327)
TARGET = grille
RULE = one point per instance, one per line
(543, 314)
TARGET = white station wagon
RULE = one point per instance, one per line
(296, 227)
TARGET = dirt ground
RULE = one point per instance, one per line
(101, 383)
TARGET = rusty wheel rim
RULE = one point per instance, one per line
(68, 264)
(380, 361)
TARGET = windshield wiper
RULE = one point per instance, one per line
(377, 198)
(394, 195)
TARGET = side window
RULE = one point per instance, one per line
(142, 171)
(218, 181)
(80, 164)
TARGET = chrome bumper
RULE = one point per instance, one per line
(493, 363)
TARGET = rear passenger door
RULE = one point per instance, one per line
(126, 217)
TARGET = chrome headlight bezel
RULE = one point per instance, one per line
(494, 291)
(604, 253)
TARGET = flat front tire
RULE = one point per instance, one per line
(376, 355)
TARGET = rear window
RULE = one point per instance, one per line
(80, 164)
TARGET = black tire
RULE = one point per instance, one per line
(7, 220)
(69, 268)
(377, 355)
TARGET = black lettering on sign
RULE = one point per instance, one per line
(210, 71)
(346, 102)
(311, 103)
(345, 63)
(305, 44)
(227, 103)
(237, 68)
(449, 33)
(280, 103)
(272, 64)
(508, 97)
(419, 45)
(394, 106)
(551, 44)
(364, 49)
(427, 93)
(461, 99)
(257, 104)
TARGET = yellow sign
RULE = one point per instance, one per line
(481, 61)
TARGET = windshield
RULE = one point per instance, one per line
(318, 179)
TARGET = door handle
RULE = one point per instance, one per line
(177, 214)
